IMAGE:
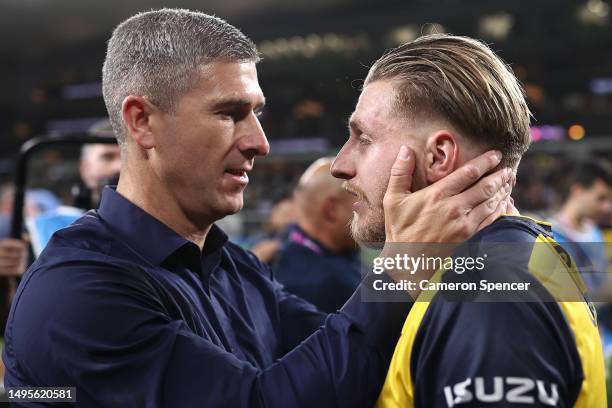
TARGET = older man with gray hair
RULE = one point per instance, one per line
(144, 302)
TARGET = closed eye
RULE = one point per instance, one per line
(237, 109)
(363, 140)
(234, 114)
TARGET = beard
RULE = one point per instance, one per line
(368, 229)
(371, 230)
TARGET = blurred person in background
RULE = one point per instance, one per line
(144, 302)
(267, 244)
(449, 98)
(36, 201)
(13, 252)
(587, 205)
(99, 166)
(319, 261)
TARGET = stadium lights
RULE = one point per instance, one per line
(601, 86)
(433, 28)
(576, 132)
(402, 34)
(557, 133)
(496, 26)
(599, 7)
(594, 12)
(313, 44)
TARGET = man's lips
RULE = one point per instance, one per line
(354, 191)
(358, 205)
(239, 174)
(361, 200)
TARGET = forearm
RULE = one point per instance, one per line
(345, 362)
(342, 364)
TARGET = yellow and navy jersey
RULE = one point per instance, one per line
(544, 351)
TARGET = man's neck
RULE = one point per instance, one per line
(320, 234)
(160, 203)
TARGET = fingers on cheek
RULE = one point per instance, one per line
(501, 195)
(455, 211)
(472, 172)
(490, 188)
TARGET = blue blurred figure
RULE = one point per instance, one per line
(588, 202)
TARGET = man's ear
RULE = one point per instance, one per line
(137, 112)
(328, 208)
(441, 155)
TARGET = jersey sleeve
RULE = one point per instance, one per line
(513, 354)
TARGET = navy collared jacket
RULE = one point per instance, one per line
(133, 315)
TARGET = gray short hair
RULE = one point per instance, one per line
(158, 54)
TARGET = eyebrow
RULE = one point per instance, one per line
(355, 123)
(234, 103)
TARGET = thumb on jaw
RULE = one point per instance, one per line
(402, 170)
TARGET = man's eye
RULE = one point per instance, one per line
(364, 141)
(236, 115)
(228, 115)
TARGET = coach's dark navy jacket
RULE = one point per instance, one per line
(134, 315)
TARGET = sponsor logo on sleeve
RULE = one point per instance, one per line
(514, 390)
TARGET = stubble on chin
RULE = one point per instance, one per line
(371, 230)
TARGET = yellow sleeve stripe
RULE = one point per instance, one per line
(543, 263)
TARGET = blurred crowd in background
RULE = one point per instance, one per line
(315, 55)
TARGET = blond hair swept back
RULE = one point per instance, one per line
(463, 81)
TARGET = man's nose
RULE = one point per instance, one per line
(253, 141)
(343, 166)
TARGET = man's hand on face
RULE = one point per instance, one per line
(446, 212)
(450, 210)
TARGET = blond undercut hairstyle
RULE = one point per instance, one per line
(463, 81)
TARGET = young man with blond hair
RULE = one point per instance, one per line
(450, 98)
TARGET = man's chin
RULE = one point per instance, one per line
(232, 205)
(366, 234)
(372, 245)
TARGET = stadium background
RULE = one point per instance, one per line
(315, 54)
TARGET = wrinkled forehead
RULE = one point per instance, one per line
(230, 80)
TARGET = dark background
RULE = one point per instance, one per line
(315, 53)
